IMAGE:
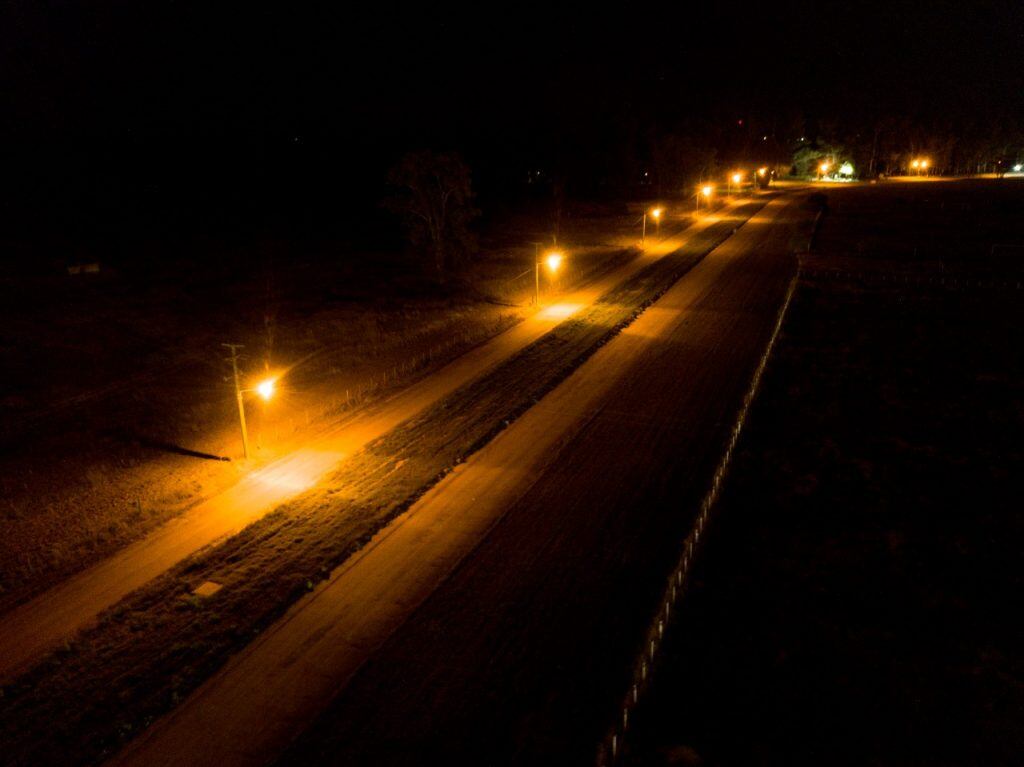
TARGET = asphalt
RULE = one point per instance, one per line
(449, 636)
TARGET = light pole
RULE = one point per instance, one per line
(264, 388)
(536, 274)
(552, 259)
(705, 191)
(656, 215)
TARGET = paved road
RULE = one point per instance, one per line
(252, 709)
(28, 631)
(523, 654)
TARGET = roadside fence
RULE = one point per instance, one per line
(610, 749)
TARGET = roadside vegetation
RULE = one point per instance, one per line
(157, 645)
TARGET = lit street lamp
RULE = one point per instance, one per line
(705, 191)
(264, 388)
(656, 215)
(735, 178)
(552, 259)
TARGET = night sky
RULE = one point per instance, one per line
(115, 110)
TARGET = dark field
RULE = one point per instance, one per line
(857, 601)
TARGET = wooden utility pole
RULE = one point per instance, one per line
(233, 359)
(536, 274)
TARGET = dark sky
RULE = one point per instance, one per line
(106, 68)
(129, 96)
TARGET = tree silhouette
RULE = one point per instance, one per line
(433, 195)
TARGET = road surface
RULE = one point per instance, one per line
(682, 365)
(28, 631)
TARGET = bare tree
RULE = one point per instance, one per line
(433, 194)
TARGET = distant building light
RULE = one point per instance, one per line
(1017, 168)
(846, 169)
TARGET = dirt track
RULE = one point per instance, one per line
(292, 671)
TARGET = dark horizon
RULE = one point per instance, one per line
(161, 117)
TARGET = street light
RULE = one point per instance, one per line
(656, 215)
(823, 168)
(264, 388)
(553, 260)
(705, 191)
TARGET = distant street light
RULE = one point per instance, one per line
(657, 219)
(656, 215)
(734, 179)
(705, 191)
(552, 259)
(264, 388)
